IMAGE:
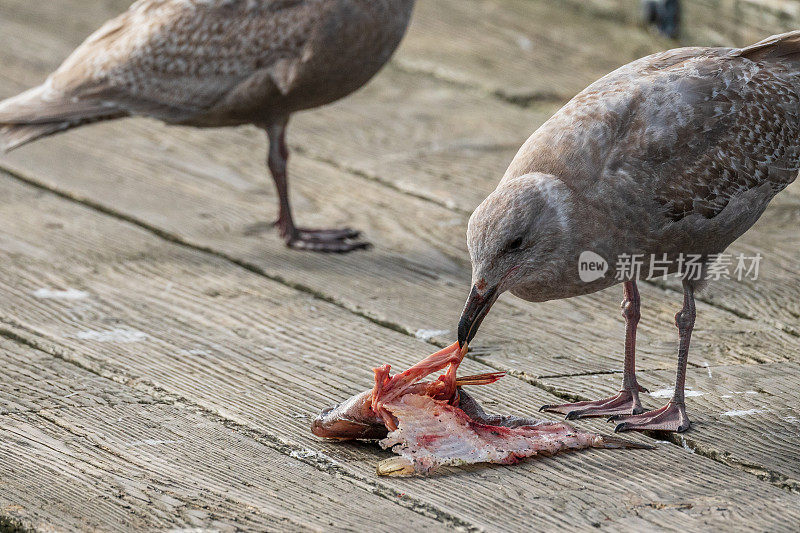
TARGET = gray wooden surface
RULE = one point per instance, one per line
(162, 353)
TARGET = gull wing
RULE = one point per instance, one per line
(174, 59)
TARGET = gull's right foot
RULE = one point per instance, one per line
(625, 402)
(671, 417)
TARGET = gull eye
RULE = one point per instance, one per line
(516, 244)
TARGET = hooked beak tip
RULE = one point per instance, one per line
(475, 310)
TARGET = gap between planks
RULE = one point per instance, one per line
(319, 461)
(525, 100)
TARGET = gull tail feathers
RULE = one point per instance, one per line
(37, 113)
(782, 47)
(14, 136)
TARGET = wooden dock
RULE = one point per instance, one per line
(162, 354)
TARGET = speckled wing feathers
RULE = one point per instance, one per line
(739, 130)
(177, 58)
(730, 132)
(694, 127)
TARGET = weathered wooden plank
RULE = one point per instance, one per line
(708, 22)
(263, 355)
(774, 297)
(134, 468)
(525, 50)
(737, 22)
(31, 380)
(724, 403)
(402, 240)
(52, 480)
(82, 452)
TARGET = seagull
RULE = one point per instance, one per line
(672, 156)
(217, 63)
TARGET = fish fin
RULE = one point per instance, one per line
(396, 467)
(480, 379)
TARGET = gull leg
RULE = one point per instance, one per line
(671, 417)
(626, 401)
(316, 240)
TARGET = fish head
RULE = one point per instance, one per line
(351, 419)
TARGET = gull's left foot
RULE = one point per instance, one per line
(625, 402)
(671, 417)
(329, 234)
(323, 240)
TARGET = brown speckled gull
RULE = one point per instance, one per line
(672, 156)
(211, 63)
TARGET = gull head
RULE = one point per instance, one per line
(518, 241)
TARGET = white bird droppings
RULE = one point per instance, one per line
(751, 392)
(667, 393)
(113, 335)
(56, 294)
(428, 334)
(743, 412)
(524, 43)
(686, 446)
(311, 454)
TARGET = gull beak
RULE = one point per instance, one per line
(475, 310)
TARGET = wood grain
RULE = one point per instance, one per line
(725, 404)
(527, 51)
(31, 381)
(135, 468)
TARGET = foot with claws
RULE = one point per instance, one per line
(625, 402)
(322, 240)
(313, 240)
(671, 417)
(625, 407)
